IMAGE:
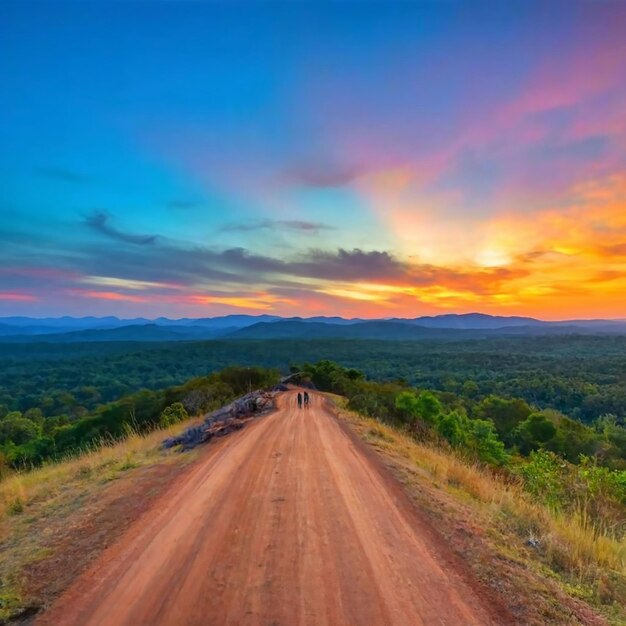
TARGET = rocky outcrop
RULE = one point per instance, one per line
(225, 420)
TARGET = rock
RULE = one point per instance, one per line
(224, 420)
(226, 430)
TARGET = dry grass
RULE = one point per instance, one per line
(588, 566)
(40, 506)
(20, 489)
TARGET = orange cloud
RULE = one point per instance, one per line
(262, 302)
(562, 261)
(107, 295)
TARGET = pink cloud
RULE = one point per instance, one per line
(106, 295)
(13, 296)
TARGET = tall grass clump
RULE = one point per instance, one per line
(103, 459)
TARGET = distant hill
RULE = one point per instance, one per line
(145, 332)
(475, 321)
(470, 325)
(390, 330)
(229, 321)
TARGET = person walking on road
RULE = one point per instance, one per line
(306, 398)
(299, 400)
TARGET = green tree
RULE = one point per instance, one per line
(573, 438)
(505, 414)
(470, 389)
(531, 434)
(544, 476)
(424, 406)
(35, 415)
(18, 429)
(173, 414)
(486, 444)
(454, 427)
(428, 407)
(615, 437)
(406, 403)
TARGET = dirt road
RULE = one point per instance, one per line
(287, 522)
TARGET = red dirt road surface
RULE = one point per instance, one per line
(287, 522)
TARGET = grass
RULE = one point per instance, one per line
(108, 460)
(39, 506)
(566, 549)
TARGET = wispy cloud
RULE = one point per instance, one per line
(124, 283)
(320, 174)
(100, 222)
(14, 296)
(302, 226)
(115, 296)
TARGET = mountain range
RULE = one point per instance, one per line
(451, 326)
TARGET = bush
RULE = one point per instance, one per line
(424, 406)
(531, 434)
(172, 415)
(486, 444)
(18, 429)
(544, 476)
(454, 427)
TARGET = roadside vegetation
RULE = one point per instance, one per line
(547, 565)
(546, 488)
(29, 439)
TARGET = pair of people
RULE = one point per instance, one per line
(303, 399)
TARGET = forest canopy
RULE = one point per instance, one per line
(565, 395)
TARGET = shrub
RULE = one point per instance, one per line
(424, 406)
(544, 477)
(486, 444)
(172, 415)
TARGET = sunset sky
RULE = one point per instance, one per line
(357, 159)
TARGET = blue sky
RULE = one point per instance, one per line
(356, 158)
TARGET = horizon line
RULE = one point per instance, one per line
(295, 317)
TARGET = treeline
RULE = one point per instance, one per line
(492, 427)
(569, 466)
(580, 376)
(29, 438)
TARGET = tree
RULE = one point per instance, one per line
(531, 434)
(406, 403)
(470, 389)
(425, 406)
(614, 435)
(486, 444)
(454, 428)
(544, 477)
(573, 439)
(428, 407)
(505, 414)
(35, 415)
(16, 428)
(173, 414)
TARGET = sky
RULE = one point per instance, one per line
(389, 159)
